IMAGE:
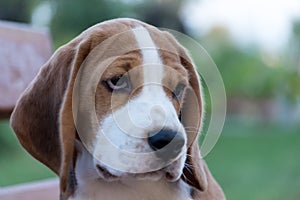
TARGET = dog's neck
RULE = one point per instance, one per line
(91, 188)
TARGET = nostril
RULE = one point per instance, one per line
(161, 139)
(168, 142)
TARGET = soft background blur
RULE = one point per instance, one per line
(256, 46)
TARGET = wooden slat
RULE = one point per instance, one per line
(23, 51)
(45, 190)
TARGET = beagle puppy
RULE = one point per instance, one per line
(116, 113)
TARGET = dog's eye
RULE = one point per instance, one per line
(178, 92)
(118, 83)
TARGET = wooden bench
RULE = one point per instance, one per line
(41, 190)
(23, 50)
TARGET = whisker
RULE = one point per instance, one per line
(189, 155)
(189, 165)
(184, 176)
(188, 168)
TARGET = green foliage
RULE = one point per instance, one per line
(72, 17)
(164, 14)
(291, 86)
(17, 10)
(248, 71)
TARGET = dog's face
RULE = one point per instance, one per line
(125, 93)
(138, 99)
(138, 102)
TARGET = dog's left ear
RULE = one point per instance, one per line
(191, 117)
(196, 172)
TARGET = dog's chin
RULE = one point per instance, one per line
(170, 173)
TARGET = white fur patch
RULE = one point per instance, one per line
(152, 64)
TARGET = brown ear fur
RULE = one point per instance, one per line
(196, 172)
(191, 116)
(43, 118)
(34, 118)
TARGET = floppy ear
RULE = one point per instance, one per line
(43, 119)
(35, 117)
(36, 120)
(191, 118)
(196, 172)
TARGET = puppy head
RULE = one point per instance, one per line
(128, 93)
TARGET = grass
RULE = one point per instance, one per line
(256, 161)
(16, 165)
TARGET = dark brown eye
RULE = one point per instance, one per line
(118, 83)
(178, 92)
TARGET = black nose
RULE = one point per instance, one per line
(167, 144)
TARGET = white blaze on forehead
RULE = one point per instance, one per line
(152, 64)
(122, 142)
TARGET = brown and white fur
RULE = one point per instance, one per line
(75, 146)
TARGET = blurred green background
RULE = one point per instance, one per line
(256, 157)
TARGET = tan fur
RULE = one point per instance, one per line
(43, 117)
(120, 66)
(174, 73)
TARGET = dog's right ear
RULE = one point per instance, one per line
(35, 117)
(43, 118)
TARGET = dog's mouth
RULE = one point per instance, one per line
(170, 173)
(104, 172)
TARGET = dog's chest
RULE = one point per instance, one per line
(141, 190)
